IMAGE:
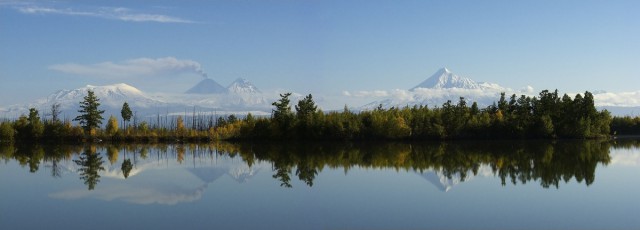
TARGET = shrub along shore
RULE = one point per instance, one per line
(546, 116)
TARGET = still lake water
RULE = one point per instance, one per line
(451, 185)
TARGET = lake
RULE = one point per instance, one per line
(323, 185)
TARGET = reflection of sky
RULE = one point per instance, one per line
(626, 157)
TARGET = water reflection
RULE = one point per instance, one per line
(443, 164)
(90, 164)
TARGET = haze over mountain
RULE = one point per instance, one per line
(242, 85)
(207, 86)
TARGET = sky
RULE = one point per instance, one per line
(318, 47)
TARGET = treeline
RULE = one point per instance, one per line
(546, 116)
(626, 125)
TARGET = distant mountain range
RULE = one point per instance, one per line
(209, 86)
(445, 86)
(207, 96)
(241, 97)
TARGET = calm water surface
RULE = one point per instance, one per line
(453, 185)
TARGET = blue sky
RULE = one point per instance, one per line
(319, 47)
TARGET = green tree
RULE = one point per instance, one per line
(282, 115)
(90, 115)
(126, 114)
(306, 108)
(7, 132)
(35, 126)
(305, 111)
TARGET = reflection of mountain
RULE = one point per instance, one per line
(439, 180)
(444, 183)
(143, 186)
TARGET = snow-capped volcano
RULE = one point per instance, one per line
(111, 99)
(441, 87)
(242, 85)
(444, 79)
(207, 86)
(110, 95)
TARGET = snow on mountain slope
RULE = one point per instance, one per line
(444, 78)
(111, 99)
(113, 96)
(242, 85)
(441, 87)
(110, 95)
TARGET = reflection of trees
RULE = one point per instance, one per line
(306, 172)
(90, 164)
(283, 173)
(126, 167)
(515, 162)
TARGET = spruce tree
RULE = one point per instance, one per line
(306, 108)
(126, 113)
(282, 114)
(90, 115)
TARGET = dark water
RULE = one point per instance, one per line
(453, 185)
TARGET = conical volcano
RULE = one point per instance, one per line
(207, 86)
(444, 79)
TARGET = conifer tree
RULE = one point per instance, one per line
(90, 115)
(282, 113)
(306, 108)
(126, 113)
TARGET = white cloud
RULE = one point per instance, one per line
(140, 67)
(527, 90)
(122, 14)
(430, 97)
(624, 99)
(484, 97)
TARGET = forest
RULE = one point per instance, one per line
(546, 116)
